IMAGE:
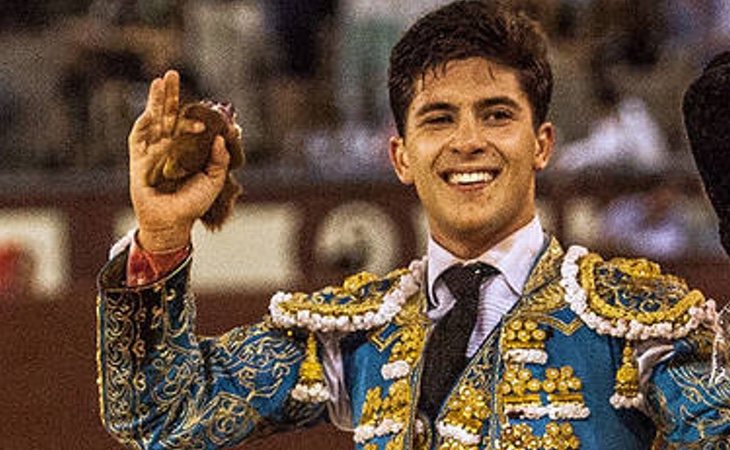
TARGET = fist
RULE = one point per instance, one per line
(189, 154)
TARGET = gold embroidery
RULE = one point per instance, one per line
(549, 298)
(146, 372)
(567, 329)
(518, 437)
(523, 341)
(547, 267)
(397, 443)
(380, 342)
(557, 436)
(467, 409)
(519, 387)
(347, 300)
(639, 291)
(560, 437)
(373, 406)
(520, 394)
(562, 385)
(410, 345)
(387, 415)
(627, 376)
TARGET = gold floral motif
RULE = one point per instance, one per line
(467, 409)
(519, 437)
(627, 376)
(546, 270)
(645, 281)
(409, 346)
(345, 300)
(557, 436)
(519, 387)
(396, 404)
(385, 415)
(397, 443)
(373, 406)
(560, 437)
(523, 334)
(562, 385)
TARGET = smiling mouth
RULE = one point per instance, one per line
(469, 178)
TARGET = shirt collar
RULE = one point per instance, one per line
(513, 256)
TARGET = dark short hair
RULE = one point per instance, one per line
(466, 29)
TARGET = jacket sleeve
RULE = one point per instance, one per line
(161, 386)
(689, 409)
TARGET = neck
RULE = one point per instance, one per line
(471, 245)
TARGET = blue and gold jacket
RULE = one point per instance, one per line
(559, 372)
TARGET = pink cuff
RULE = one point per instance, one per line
(145, 267)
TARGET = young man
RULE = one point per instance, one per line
(499, 338)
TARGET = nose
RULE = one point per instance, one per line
(468, 138)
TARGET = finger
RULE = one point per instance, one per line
(172, 101)
(139, 134)
(155, 102)
(219, 159)
(189, 126)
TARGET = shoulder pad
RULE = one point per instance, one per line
(629, 298)
(363, 302)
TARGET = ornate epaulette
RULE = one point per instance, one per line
(633, 300)
(363, 302)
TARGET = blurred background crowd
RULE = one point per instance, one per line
(308, 79)
(307, 75)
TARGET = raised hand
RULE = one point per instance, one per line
(166, 219)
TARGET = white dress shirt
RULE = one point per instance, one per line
(513, 257)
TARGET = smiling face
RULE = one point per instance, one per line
(472, 151)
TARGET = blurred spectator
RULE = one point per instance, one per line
(157, 13)
(652, 223)
(702, 26)
(103, 91)
(33, 14)
(229, 47)
(367, 31)
(630, 31)
(299, 26)
(625, 138)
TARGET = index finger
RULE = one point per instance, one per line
(155, 100)
(172, 101)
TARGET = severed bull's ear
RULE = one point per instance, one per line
(706, 109)
(189, 154)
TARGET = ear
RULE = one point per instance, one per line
(544, 146)
(400, 160)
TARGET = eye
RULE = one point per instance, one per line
(437, 119)
(498, 116)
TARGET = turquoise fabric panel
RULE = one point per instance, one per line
(163, 387)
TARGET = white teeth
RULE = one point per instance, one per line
(469, 177)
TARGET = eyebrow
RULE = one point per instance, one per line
(498, 101)
(481, 104)
(435, 106)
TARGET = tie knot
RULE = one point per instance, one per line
(464, 280)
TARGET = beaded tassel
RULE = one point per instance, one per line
(311, 387)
